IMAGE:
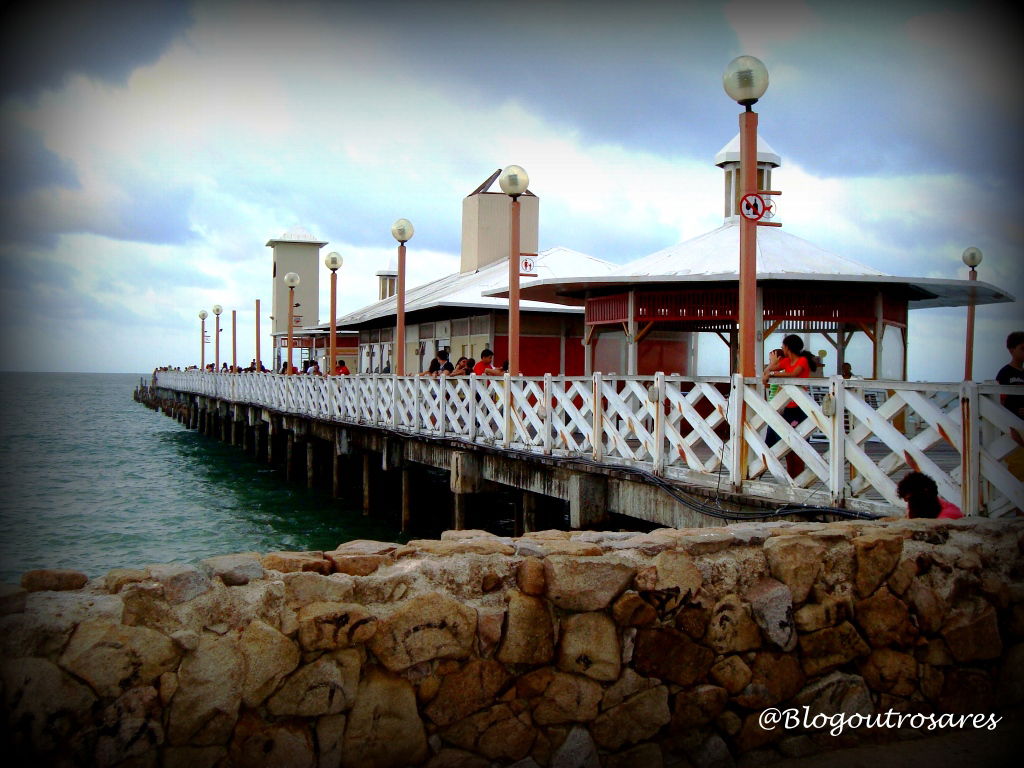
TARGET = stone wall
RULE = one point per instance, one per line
(555, 649)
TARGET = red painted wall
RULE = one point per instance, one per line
(542, 354)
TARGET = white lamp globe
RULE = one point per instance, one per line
(203, 314)
(291, 280)
(333, 261)
(514, 181)
(972, 257)
(217, 309)
(745, 80)
(402, 230)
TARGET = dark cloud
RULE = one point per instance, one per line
(28, 165)
(44, 41)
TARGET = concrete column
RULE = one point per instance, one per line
(234, 431)
(406, 499)
(310, 463)
(461, 500)
(588, 494)
(529, 512)
(366, 483)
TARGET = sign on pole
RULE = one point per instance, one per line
(527, 264)
(752, 206)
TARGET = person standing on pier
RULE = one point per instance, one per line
(795, 363)
(1012, 374)
(486, 365)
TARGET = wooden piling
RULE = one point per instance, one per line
(310, 462)
(528, 517)
(406, 499)
(289, 458)
(366, 483)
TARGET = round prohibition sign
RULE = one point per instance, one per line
(753, 207)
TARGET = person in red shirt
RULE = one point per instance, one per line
(923, 500)
(341, 369)
(795, 363)
(486, 365)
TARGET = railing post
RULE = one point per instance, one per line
(547, 414)
(394, 401)
(970, 458)
(837, 440)
(472, 407)
(416, 403)
(737, 472)
(659, 423)
(442, 393)
(507, 421)
(375, 400)
(597, 430)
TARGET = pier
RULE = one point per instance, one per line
(663, 449)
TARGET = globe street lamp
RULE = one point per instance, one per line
(202, 339)
(217, 309)
(333, 262)
(292, 281)
(972, 258)
(746, 80)
(513, 181)
(402, 230)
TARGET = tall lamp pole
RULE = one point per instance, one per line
(217, 309)
(513, 181)
(746, 80)
(292, 281)
(234, 341)
(972, 258)
(333, 262)
(259, 363)
(402, 230)
(202, 339)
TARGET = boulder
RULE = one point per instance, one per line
(636, 719)
(384, 729)
(289, 562)
(476, 546)
(577, 751)
(693, 620)
(356, 565)
(668, 654)
(233, 570)
(697, 706)
(269, 657)
(836, 692)
(628, 684)
(53, 580)
(330, 740)
(117, 578)
(181, 582)
(567, 698)
(732, 673)
(529, 632)
(771, 604)
(223, 608)
(775, 677)
(731, 628)
(260, 744)
(828, 648)
(814, 616)
(530, 576)
(205, 706)
(889, 671)
(674, 580)
(327, 686)
(113, 657)
(630, 610)
(470, 689)
(305, 587)
(796, 561)
(428, 626)
(885, 619)
(366, 547)
(972, 631)
(584, 583)
(589, 646)
(640, 756)
(326, 626)
(130, 727)
(499, 733)
(44, 706)
(876, 555)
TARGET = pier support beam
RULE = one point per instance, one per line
(310, 463)
(527, 521)
(588, 499)
(406, 499)
(459, 505)
(289, 458)
(366, 483)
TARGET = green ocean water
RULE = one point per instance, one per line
(92, 480)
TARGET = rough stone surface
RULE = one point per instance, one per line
(731, 628)
(836, 692)
(775, 677)
(637, 718)
(771, 604)
(530, 576)
(233, 570)
(205, 707)
(796, 561)
(885, 619)
(498, 733)
(53, 579)
(668, 654)
(584, 583)
(384, 729)
(577, 751)
(269, 657)
(640, 756)
(330, 739)
(890, 671)
(828, 648)
(326, 626)
(568, 698)
(815, 616)
(431, 626)
(877, 555)
(529, 633)
(697, 706)
(972, 632)
(287, 562)
(267, 745)
(131, 728)
(630, 610)
(46, 704)
(589, 646)
(117, 578)
(180, 582)
(470, 689)
(305, 587)
(732, 673)
(628, 684)
(325, 687)
(356, 565)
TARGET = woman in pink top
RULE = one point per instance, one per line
(923, 500)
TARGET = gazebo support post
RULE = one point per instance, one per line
(876, 365)
(631, 348)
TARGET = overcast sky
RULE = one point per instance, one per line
(150, 149)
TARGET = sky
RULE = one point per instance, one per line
(150, 149)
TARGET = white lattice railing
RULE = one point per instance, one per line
(857, 439)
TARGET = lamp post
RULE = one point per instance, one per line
(402, 230)
(972, 258)
(202, 339)
(259, 363)
(333, 262)
(292, 281)
(234, 341)
(513, 181)
(217, 309)
(746, 80)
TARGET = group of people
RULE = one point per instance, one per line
(441, 365)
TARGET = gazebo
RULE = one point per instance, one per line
(646, 316)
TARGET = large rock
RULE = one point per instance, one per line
(325, 687)
(233, 570)
(577, 751)
(796, 561)
(670, 581)
(972, 632)
(731, 628)
(130, 727)
(470, 689)
(771, 604)
(928, 607)
(356, 565)
(641, 756)
(775, 677)
(529, 632)
(113, 657)
(627, 685)
(814, 616)
(117, 578)
(305, 587)
(384, 729)
(43, 706)
(366, 547)
(430, 626)
(530, 576)
(584, 583)
(631, 610)
(590, 646)
(53, 579)
(732, 673)
(636, 719)
(889, 671)
(288, 562)
(330, 740)
(205, 706)
(877, 555)
(567, 698)
(668, 654)
(12, 599)
(181, 582)
(836, 692)
(498, 733)
(828, 648)
(476, 546)
(260, 744)
(269, 657)
(885, 619)
(326, 626)
(697, 706)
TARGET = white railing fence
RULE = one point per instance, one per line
(857, 439)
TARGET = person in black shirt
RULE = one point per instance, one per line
(1013, 372)
(440, 365)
